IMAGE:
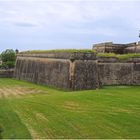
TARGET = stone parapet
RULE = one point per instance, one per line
(77, 71)
(63, 55)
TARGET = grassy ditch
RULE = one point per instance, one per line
(33, 111)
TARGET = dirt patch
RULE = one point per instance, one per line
(33, 133)
(72, 106)
(17, 91)
(41, 117)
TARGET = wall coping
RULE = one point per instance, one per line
(63, 55)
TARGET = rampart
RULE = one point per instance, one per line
(77, 71)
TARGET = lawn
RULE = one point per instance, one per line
(32, 111)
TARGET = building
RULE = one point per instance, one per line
(110, 47)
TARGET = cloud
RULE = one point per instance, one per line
(24, 24)
(67, 21)
(49, 13)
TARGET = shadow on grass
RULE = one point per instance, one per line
(1, 130)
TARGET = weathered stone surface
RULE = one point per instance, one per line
(63, 55)
(109, 47)
(116, 73)
(116, 60)
(77, 72)
(136, 74)
(85, 76)
(6, 73)
(41, 71)
(119, 73)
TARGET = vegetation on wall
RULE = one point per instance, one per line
(108, 55)
(8, 58)
(59, 50)
(119, 56)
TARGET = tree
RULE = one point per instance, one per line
(8, 58)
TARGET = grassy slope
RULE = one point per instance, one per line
(111, 112)
(59, 50)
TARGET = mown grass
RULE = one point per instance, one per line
(119, 56)
(33, 111)
(59, 50)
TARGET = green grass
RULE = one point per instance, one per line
(33, 111)
(59, 50)
(119, 56)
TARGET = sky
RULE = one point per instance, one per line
(67, 24)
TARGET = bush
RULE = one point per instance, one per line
(8, 65)
(8, 55)
(8, 58)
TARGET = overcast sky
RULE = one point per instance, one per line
(63, 24)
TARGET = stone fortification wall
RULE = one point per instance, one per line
(102, 47)
(86, 74)
(77, 71)
(132, 49)
(74, 71)
(109, 47)
(119, 72)
(6, 73)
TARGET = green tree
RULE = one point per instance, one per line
(8, 58)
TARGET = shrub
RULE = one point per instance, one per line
(8, 55)
(8, 65)
(8, 58)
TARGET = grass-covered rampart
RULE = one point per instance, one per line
(119, 56)
(59, 50)
(107, 55)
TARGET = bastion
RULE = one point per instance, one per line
(81, 70)
(67, 70)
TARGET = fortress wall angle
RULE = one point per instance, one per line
(77, 71)
(63, 70)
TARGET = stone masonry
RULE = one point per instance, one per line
(76, 71)
(110, 47)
